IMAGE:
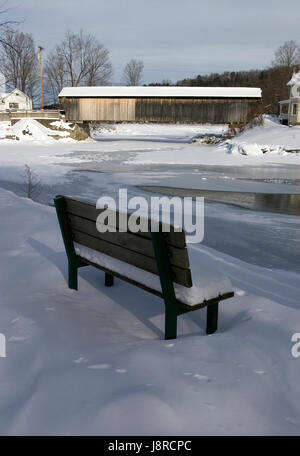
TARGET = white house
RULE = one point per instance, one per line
(15, 101)
(290, 109)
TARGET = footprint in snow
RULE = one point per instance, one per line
(80, 360)
(246, 318)
(17, 339)
(202, 377)
(99, 366)
(292, 420)
(121, 371)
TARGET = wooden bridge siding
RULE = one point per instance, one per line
(99, 109)
(158, 109)
(193, 110)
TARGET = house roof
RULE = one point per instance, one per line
(5, 95)
(171, 92)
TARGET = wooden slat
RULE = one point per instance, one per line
(213, 110)
(89, 211)
(128, 240)
(179, 275)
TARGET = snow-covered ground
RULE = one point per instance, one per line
(93, 361)
(155, 131)
(263, 145)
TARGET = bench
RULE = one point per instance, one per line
(157, 262)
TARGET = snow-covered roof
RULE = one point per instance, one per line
(295, 79)
(172, 92)
(18, 91)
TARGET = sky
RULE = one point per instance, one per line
(174, 38)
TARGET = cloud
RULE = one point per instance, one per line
(170, 35)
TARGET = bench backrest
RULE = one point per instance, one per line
(133, 248)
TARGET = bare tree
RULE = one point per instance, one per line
(32, 183)
(18, 61)
(287, 55)
(133, 72)
(80, 59)
(5, 24)
(54, 71)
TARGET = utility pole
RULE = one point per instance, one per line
(41, 75)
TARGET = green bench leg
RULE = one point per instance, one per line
(170, 323)
(109, 280)
(73, 276)
(166, 281)
(212, 318)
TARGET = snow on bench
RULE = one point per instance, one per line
(154, 261)
(208, 282)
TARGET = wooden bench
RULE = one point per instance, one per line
(157, 262)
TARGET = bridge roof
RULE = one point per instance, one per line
(160, 91)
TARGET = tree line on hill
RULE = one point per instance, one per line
(271, 80)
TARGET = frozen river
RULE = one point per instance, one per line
(234, 223)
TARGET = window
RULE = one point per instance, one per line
(13, 105)
(294, 110)
(284, 108)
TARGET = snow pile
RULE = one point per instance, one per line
(270, 138)
(32, 130)
(255, 150)
(295, 79)
(4, 129)
(61, 125)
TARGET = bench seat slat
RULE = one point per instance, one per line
(178, 257)
(89, 211)
(180, 276)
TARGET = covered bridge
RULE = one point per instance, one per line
(159, 104)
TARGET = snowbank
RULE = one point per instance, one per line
(164, 131)
(295, 79)
(255, 150)
(60, 124)
(270, 138)
(32, 130)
